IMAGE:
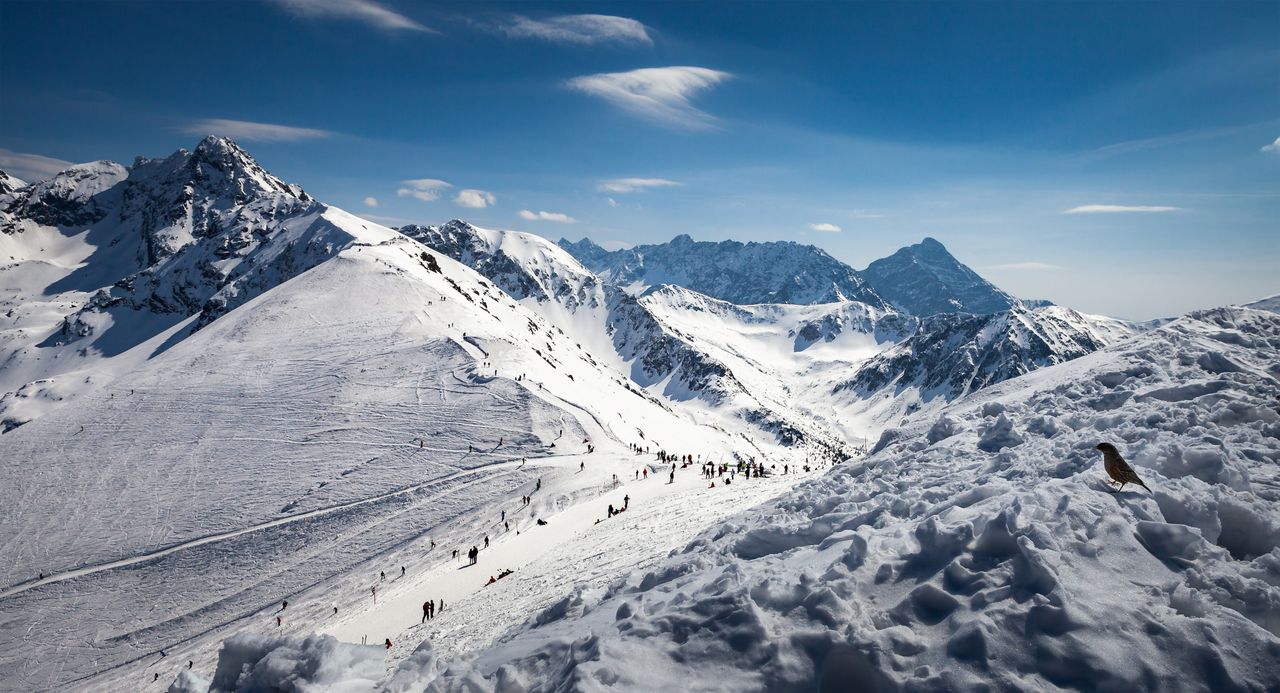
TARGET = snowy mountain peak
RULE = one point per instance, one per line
(742, 273)
(9, 183)
(925, 278)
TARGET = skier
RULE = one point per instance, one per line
(401, 571)
(504, 515)
(486, 541)
(284, 605)
(672, 480)
(382, 575)
(426, 609)
(611, 510)
(388, 643)
(374, 590)
(582, 466)
(626, 501)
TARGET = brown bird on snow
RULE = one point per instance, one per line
(1117, 468)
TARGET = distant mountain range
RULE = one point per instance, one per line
(923, 279)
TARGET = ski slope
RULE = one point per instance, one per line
(213, 482)
(979, 548)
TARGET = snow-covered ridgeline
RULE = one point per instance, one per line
(980, 548)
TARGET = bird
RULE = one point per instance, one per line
(1117, 468)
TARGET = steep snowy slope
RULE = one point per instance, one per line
(102, 261)
(778, 272)
(979, 550)
(625, 332)
(402, 393)
(924, 279)
(953, 354)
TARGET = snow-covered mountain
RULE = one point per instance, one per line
(126, 254)
(374, 398)
(222, 394)
(974, 550)
(952, 354)
(742, 273)
(622, 330)
(790, 368)
(924, 279)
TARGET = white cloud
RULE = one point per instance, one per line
(546, 216)
(825, 228)
(365, 11)
(475, 199)
(425, 189)
(612, 202)
(256, 132)
(1105, 209)
(370, 202)
(1273, 147)
(31, 167)
(629, 185)
(1038, 266)
(586, 29)
(659, 94)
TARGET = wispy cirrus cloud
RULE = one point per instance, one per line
(474, 199)
(366, 12)
(31, 167)
(546, 216)
(582, 29)
(1119, 209)
(1273, 147)
(370, 201)
(658, 94)
(825, 227)
(425, 189)
(1030, 265)
(630, 185)
(247, 130)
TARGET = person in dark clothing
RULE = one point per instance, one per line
(541, 521)
(486, 541)
(426, 610)
(388, 643)
(626, 501)
(611, 510)
(284, 605)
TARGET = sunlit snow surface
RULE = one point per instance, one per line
(934, 565)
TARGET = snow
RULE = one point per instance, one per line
(263, 398)
(935, 565)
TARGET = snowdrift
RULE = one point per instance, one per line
(980, 549)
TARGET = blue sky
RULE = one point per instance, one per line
(1121, 158)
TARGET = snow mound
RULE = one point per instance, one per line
(249, 662)
(936, 565)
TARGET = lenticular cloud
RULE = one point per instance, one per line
(659, 94)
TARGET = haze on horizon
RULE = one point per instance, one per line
(1118, 158)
